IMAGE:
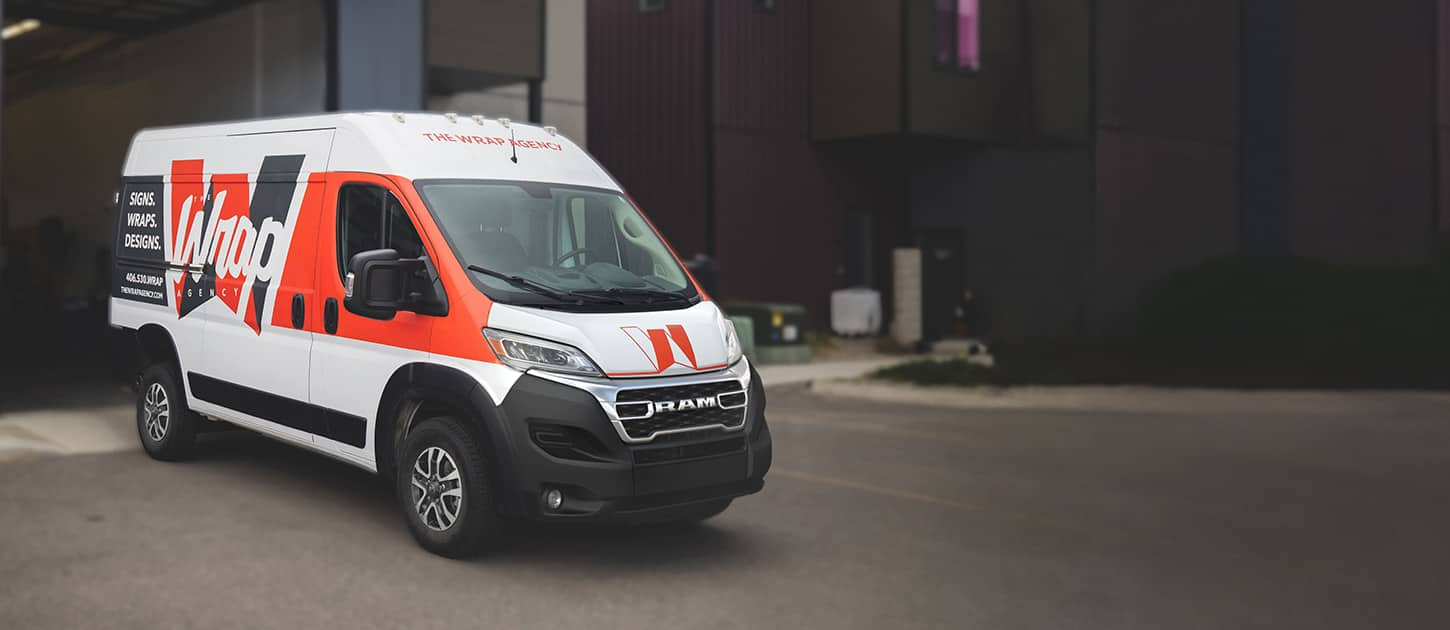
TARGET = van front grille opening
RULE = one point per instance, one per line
(648, 411)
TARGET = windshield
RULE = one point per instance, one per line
(555, 245)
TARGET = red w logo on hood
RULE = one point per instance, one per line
(664, 347)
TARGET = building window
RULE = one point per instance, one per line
(651, 6)
(956, 34)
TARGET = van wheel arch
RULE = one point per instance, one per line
(157, 346)
(419, 391)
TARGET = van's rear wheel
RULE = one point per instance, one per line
(166, 426)
(443, 489)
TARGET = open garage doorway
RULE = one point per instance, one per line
(80, 77)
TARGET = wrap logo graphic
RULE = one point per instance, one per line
(663, 347)
(238, 236)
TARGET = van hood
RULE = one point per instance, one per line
(629, 345)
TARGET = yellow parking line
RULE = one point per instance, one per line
(866, 487)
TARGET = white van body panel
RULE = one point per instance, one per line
(349, 376)
(410, 145)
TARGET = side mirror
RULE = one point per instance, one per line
(379, 283)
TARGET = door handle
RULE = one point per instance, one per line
(299, 311)
(329, 316)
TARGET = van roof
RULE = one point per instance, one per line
(414, 145)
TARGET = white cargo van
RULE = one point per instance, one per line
(470, 307)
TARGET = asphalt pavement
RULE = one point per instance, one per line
(875, 516)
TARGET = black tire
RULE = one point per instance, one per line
(174, 438)
(475, 525)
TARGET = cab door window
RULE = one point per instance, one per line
(369, 217)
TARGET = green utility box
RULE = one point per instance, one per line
(745, 329)
(777, 332)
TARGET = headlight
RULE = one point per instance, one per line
(524, 353)
(732, 341)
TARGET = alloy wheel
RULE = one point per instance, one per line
(156, 412)
(437, 489)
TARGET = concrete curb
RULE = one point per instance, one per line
(779, 375)
(1132, 398)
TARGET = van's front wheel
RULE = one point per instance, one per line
(166, 426)
(443, 489)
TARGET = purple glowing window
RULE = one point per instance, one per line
(956, 34)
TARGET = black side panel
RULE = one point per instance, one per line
(139, 269)
(139, 222)
(333, 425)
(348, 429)
(141, 283)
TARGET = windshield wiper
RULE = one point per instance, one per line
(543, 289)
(656, 294)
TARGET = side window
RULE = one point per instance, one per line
(956, 34)
(401, 235)
(370, 217)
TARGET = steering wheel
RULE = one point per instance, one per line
(573, 253)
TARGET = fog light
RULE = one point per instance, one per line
(553, 499)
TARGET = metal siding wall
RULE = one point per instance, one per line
(986, 105)
(379, 56)
(647, 111)
(1361, 148)
(1442, 125)
(856, 69)
(499, 37)
(762, 67)
(1167, 147)
(778, 234)
(1025, 244)
(778, 230)
(1264, 118)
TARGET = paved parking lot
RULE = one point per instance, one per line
(876, 516)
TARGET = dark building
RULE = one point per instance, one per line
(1055, 157)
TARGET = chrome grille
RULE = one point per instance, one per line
(637, 411)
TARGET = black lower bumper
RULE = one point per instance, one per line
(549, 436)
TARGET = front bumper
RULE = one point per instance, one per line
(560, 434)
